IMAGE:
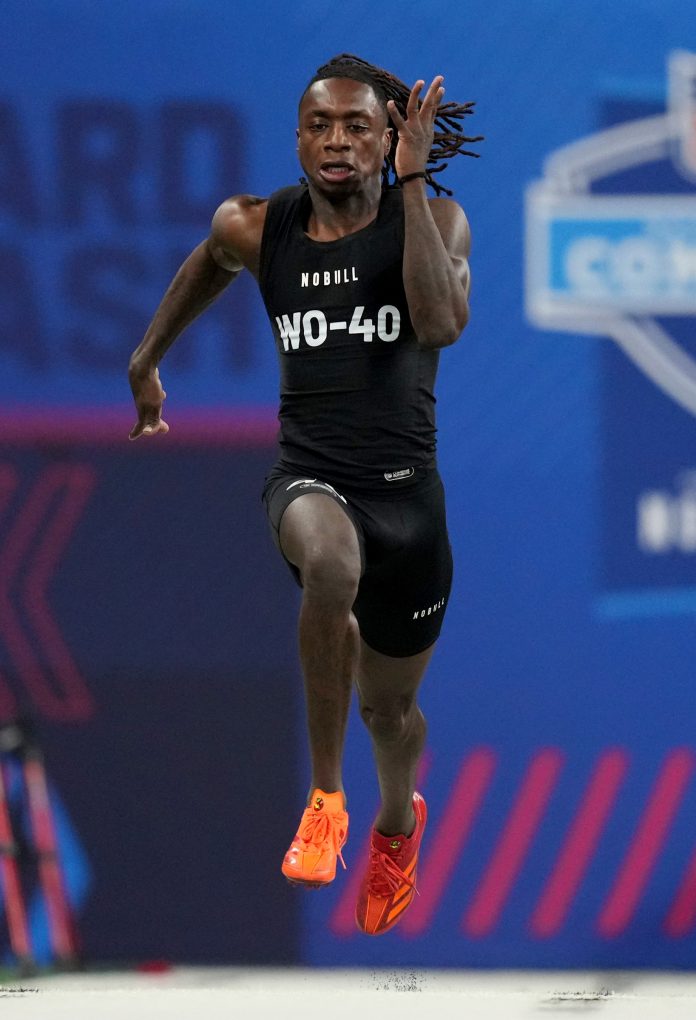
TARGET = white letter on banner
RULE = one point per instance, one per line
(655, 522)
(687, 523)
(587, 265)
(637, 266)
(683, 262)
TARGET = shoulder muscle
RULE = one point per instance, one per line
(236, 230)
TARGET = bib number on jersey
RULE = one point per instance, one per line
(313, 327)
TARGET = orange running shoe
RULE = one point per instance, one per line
(311, 858)
(389, 884)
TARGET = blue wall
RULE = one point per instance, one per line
(560, 704)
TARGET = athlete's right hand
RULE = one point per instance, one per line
(149, 397)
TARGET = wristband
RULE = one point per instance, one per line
(412, 177)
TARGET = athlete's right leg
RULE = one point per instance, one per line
(318, 537)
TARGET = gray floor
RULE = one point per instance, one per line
(214, 994)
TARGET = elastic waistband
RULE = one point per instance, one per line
(420, 480)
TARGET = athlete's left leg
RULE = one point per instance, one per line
(387, 689)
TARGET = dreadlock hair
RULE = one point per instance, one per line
(448, 140)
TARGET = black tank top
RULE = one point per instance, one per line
(356, 390)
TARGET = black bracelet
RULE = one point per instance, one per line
(412, 177)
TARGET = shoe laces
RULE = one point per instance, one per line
(385, 877)
(320, 830)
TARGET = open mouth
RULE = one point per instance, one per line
(336, 171)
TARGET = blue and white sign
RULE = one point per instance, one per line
(613, 255)
(610, 264)
(610, 255)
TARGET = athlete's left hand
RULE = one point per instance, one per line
(416, 130)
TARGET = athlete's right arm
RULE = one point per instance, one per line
(233, 244)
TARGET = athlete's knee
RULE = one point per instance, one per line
(393, 720)
(330, 573)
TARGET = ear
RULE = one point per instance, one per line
(388, 135)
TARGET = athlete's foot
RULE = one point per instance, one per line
(321, 835)
(389, 884)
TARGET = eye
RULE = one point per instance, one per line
(358, 128)
(317, 126)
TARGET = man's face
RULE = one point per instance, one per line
(342, 137)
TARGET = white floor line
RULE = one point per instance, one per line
(230, 993)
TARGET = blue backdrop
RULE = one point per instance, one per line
(560, 775)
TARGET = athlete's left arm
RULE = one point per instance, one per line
(436, 265)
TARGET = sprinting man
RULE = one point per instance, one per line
(364, 279)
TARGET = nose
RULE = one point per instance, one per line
(337, 137)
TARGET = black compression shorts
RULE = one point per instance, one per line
(405, 553)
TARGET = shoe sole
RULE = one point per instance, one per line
(306, 885)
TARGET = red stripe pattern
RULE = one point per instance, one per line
(519, 831)
(580, 844)
(8, 484)
(647, 844)
(450, 834)
(681, 919)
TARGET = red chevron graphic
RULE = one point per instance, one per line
(580, 844)
(29, 557)
(582, 838)
(8, 484)
(681, 918)
(508, 857)
(649, 838)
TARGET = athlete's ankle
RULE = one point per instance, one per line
(327, 788)
(387, 825)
